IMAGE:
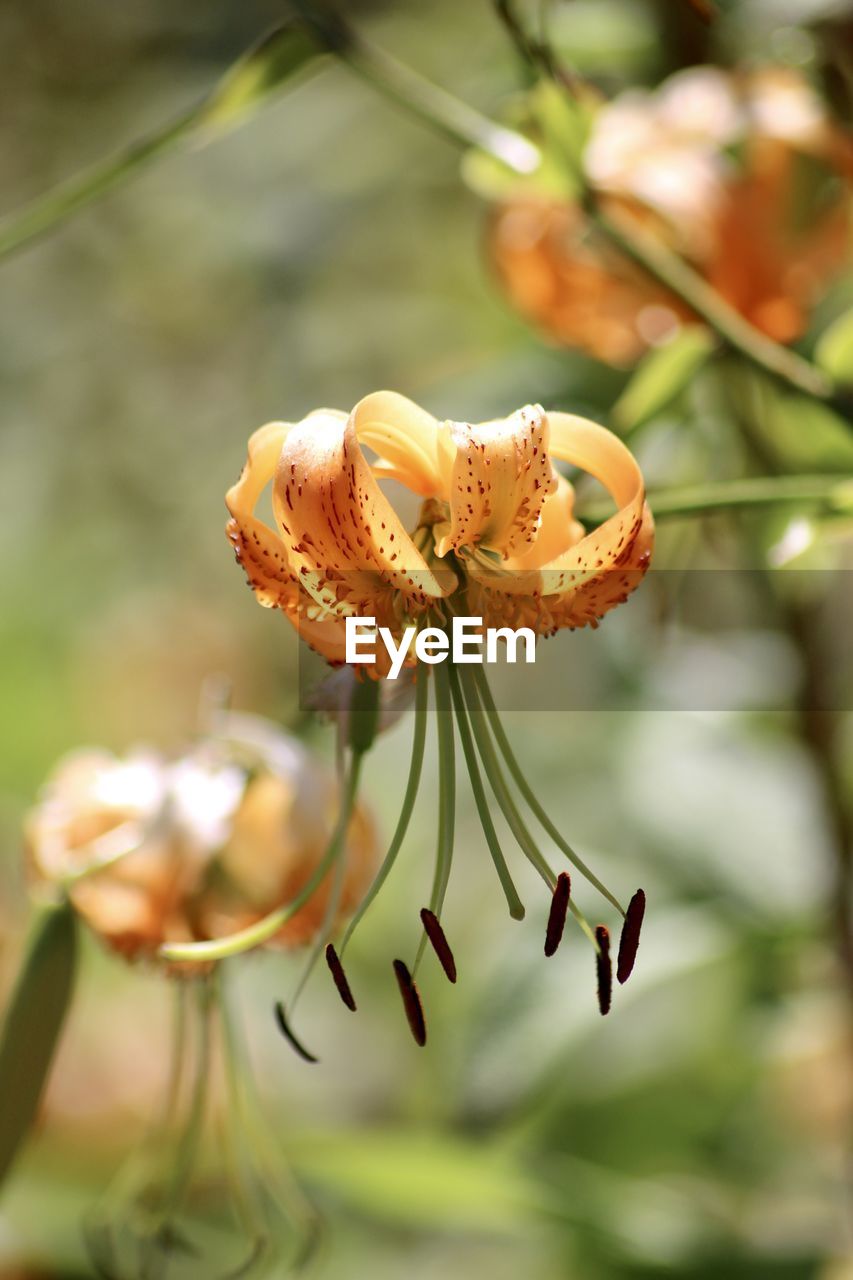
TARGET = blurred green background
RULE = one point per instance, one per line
(327, 249)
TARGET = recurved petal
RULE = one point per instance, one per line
(258, 548)
(600, 570)
(404, 436)
(344, 540)
(501, 476)
(558, 530)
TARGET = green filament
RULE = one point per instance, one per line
(446, 799)
(497, 782)
(516, 907)
(411, 793)
(530, 798)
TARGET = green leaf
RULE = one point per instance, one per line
(664, 373)
(834, 351)
(421, 1179)
(32, 1025)
(803, 433)
(274, 60)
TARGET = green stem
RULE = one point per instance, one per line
(409, 798)
(255, 935)
(516, 907)
(829, 493)
(278, 1184)
(247, 83)
(47, 212)
(446, 799)
(203, 995)
(529, 797)
(154, 1246)
(680, 278)
(417, 95)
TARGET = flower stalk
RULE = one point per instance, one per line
(830, 493)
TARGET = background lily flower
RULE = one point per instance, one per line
(497, 520)
(152, 851)
(744, 175)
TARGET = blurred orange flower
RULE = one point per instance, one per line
(496, 530)
(152, 851)
(744, 175)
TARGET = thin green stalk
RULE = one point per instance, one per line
(155, 1251)
(47, 212)
(190, 1139)
(830, 493)
(529, 797)
(680, 278)
(323, 935)
(417, 95)
(516, 907)
(409, 798)
(508, 807)
(262, 930)
(248, 82)
(177, 1065)
(496, 781)
(279, 1186)
(446, 799)
(248, 1192)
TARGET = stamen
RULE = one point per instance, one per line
(630, 936)
(557, 914)
(337, 971)
(436, 935)
(412, 785)
(516, 906)
(446, 802)
(411, 1002)
(281, 1019)
(604, 968)
(530, 799)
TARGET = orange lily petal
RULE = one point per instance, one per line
(558, 529)
(404, 436)
(600, 570)
(258, 548)
(345, 541)
(501, 476)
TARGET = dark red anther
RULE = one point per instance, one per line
(284, 1028)
(630, 936)
(337, 971)
(604, 968)
(557, 914)
(411, 1002)
(440, 945)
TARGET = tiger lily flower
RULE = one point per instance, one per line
(496, 539)
(743, 174)
(154, 852)
(496, 525)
